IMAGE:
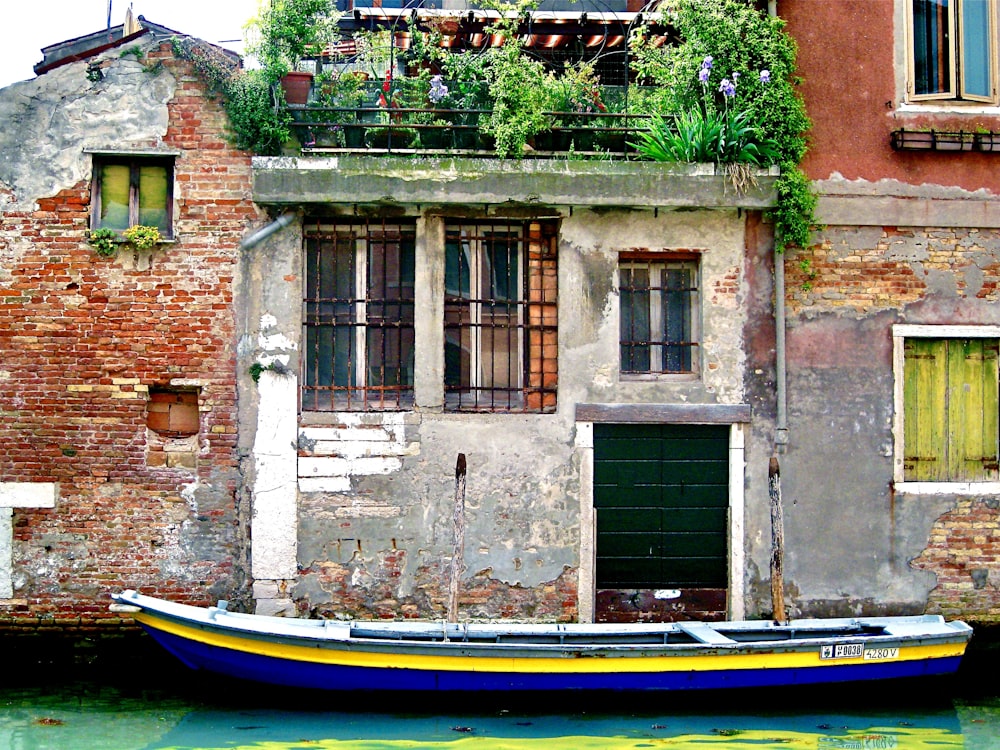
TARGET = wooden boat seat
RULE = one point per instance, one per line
(704, 633)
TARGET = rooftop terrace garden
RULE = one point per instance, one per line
(681, 81)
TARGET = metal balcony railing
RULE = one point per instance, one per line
(457, 132)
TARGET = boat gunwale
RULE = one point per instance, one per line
(440, 637)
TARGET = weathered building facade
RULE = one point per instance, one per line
(118, 415)
(275, 406)
(892, 316)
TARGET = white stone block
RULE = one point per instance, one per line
(325, 484)
(28, 494)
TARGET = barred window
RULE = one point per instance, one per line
(358, 316)
(501, 348)
(658, 332)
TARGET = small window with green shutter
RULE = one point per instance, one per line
(950, 410)
(130, 190)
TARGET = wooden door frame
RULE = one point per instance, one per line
(736, 416)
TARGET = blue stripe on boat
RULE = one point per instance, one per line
(308, 675)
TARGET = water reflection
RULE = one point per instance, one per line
(92, 717)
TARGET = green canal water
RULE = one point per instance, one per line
(143, 702)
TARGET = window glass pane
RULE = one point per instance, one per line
(153, 185)
(931, 39)
(634, 323)
(114, 196)
(677, 319)
(976, 57)
(457, 314)
(390, 303)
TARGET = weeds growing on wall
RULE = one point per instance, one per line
(255, 122)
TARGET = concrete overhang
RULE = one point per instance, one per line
(397, 180)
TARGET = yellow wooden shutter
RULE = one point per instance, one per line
(972, 410)
(925, 415)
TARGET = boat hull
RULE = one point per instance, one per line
(321, 676)
(428, 657)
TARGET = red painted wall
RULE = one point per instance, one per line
(847, 50)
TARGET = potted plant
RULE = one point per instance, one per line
(285, 31)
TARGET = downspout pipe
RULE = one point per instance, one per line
(266, 231)
(781, 425)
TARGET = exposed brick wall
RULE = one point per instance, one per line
(543, 339)
(848, 270)
(964, 553)
(371, 590)
(82, 340)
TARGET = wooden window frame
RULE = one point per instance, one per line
(357, 315)
(900, 333)
(956, 88)
(662, 262)
(134, 162)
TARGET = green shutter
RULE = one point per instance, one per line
(115, 188)
(950, 414)
(924, 415)
(153, 191)
(972, 410)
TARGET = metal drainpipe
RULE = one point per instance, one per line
(781, 427)
(264, 232)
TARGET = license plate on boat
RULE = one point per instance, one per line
(857, 651)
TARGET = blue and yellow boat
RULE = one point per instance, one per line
(439, 656)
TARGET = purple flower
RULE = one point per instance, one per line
(703, 75)
(765, 76)
(438, 90)
(706, 64)
(728, 88)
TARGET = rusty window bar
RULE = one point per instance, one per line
(488, 316)
(658, 303)
(358, 316)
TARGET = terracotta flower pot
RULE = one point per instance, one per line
(297, 86)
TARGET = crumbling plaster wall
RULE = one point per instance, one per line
(854, 543)
(376, 492)
(51, 120)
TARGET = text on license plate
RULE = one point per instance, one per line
(857, 651)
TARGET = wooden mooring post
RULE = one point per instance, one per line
(458, 551)
(777, 540)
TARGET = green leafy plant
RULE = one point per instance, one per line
(796, 206)
(105, 241)
(256, 124)
(278, 368)
(285, 30)
(738, 37)
(142, 237)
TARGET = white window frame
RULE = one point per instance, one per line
(956, 91)
(901, 332)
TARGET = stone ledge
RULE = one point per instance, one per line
(527, 182)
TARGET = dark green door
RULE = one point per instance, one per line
(661, 494)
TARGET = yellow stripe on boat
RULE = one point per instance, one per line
(600, 664)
